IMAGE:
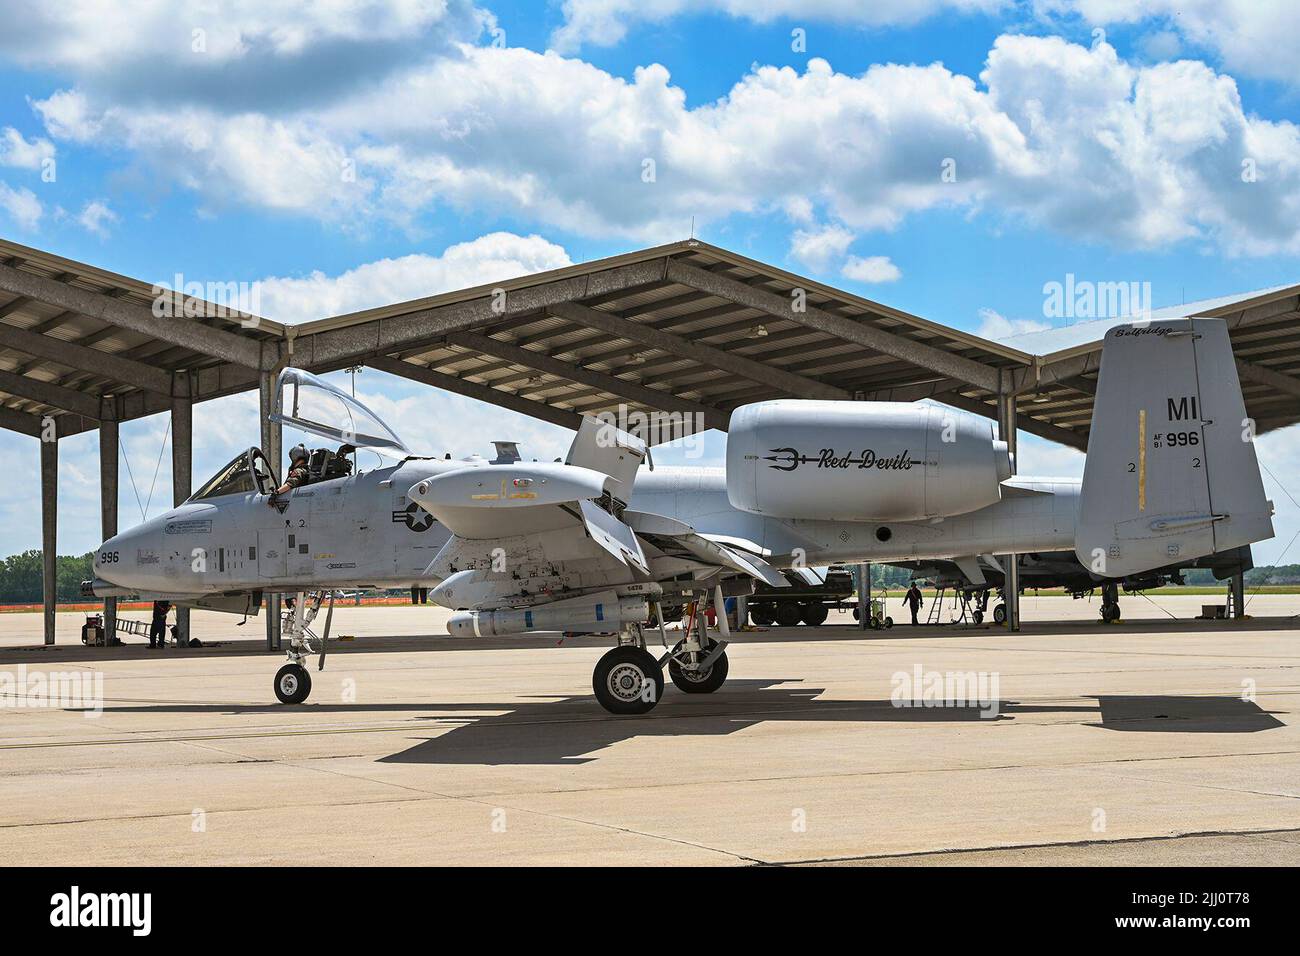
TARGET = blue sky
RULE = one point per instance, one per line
(1101, 139)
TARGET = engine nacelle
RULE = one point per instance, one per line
(861, 461)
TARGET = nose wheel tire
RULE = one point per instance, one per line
(292, 684)
(627, 680)
(699, 682)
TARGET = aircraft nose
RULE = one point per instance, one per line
(110, 559)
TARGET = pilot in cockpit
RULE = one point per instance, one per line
(297, 476)
(317, 465)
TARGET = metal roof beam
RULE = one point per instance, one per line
(652, 398)
(427, 376)
(88, 360)
(1063, 436)
(1024, 379)
(927, 356)
(47, 393)
(179, 330)
(1266, 376)
(398, 332)
(778, 378)
(24, 423)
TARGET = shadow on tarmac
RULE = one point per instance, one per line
(573, 730)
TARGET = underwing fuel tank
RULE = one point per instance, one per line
(586, 617)
(860, 461)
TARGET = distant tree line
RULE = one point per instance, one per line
(20, 577)
(1268, 574)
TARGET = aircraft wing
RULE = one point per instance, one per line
(669, 534)
(601, 447)
(507, 500)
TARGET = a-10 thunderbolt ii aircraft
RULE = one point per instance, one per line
(588, 545)
(523, 546)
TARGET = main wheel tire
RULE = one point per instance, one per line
(977, 617)
(627, 680)
(762, 616)
(787, 615)
(814, 615)
(292, 684)
(699, 682)
(1110, 613)
(1000, 614)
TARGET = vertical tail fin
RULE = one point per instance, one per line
(1171, 473)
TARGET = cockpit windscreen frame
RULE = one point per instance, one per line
(351, 423)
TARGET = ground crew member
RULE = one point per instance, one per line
(158, 626)
(297, 476)
(913, 600)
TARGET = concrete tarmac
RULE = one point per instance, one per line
(1155, 741)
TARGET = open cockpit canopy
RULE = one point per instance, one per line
(314, 405)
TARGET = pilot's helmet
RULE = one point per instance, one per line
(298, 452)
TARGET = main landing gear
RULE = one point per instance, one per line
(630, 680)
(293, 680)
(1110, 602)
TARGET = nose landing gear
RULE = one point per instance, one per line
(292, 684)
(293, 681)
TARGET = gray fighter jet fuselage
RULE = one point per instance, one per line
(1034, 514)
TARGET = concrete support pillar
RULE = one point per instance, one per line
(271, 442)
(1010, 568)
(182, 466)
(1237, 587)
(108, 458)
(49, 529)
(742, 610)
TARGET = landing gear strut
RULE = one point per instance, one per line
(1110, 602)
(293, 681)
(630, 680)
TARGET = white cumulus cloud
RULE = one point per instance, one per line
(495, 257)
(993, 325)
(818, 248)
(1063, 136)
(17, 150)
(21, 206)
(871, 269)
(96, 217)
